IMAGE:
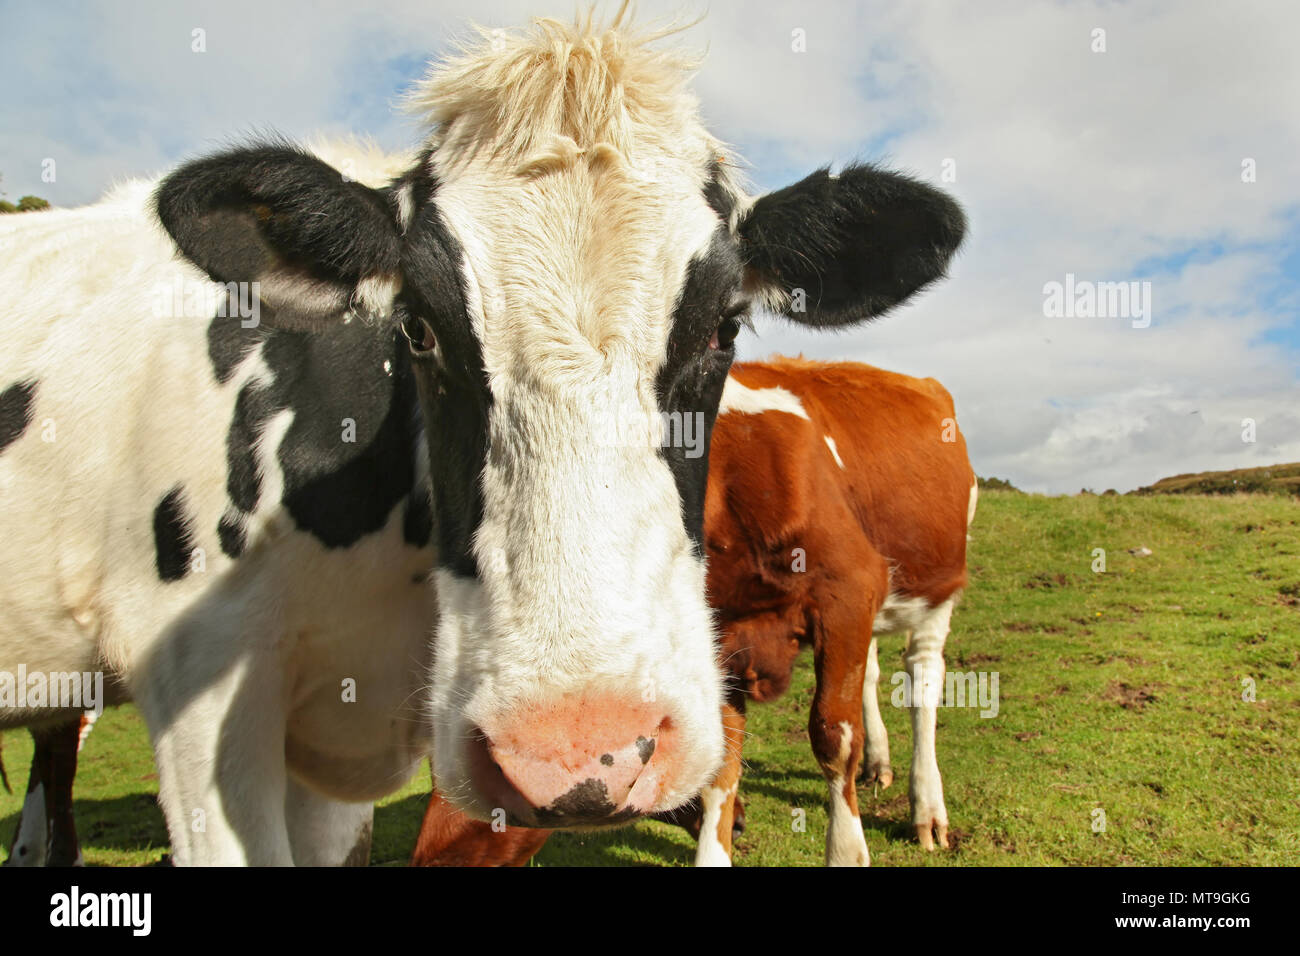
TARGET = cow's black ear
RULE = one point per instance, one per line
(316, 244)
(835, 250)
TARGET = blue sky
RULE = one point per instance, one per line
(1115, 165)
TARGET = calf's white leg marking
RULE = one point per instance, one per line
(846, 845)
(709, 850)
(926, 669)
(875, 756)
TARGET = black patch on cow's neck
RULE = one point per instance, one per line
(692, 377)
(453, 387)
(173, 535)
(15, 411)
(351, 381)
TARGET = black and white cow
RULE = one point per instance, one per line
(237, 515)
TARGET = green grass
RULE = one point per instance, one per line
(1120, 691)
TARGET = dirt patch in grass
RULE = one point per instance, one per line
(895, 808)
(1128, 696)
(1131, 659)
(1044, 580)
(966, 660)
(1289, 594)
(956, 837)
(1025, 627)
(1003, 841)
(1028, 735)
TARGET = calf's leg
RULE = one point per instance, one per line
(718, 799)
(449, 838)
(875, 760)
(926, 669)
(841, 637)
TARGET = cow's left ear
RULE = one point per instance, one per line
(318, 245)
(835, 250)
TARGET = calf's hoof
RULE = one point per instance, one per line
(930, 833)
(880, 773)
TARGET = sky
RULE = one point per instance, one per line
(1155, 143)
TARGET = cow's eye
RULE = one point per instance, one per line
(419, 334)
(724, 336)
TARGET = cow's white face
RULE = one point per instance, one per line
(568, 259)
(579, 579)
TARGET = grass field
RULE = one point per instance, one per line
(1121, 691)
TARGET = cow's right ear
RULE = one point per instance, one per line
(317, 245)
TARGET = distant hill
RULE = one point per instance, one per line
(1274, 479)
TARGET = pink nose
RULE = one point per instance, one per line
(579, 761)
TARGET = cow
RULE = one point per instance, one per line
(838, 504)
(320, 470)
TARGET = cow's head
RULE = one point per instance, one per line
(570, 260)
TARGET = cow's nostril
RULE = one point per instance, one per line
(588, 800)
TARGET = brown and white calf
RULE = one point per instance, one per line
(838, 503)
(266, 422)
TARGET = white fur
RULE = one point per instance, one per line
(835, 452)
(755, 401)
(325, 832)
(900, 614)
